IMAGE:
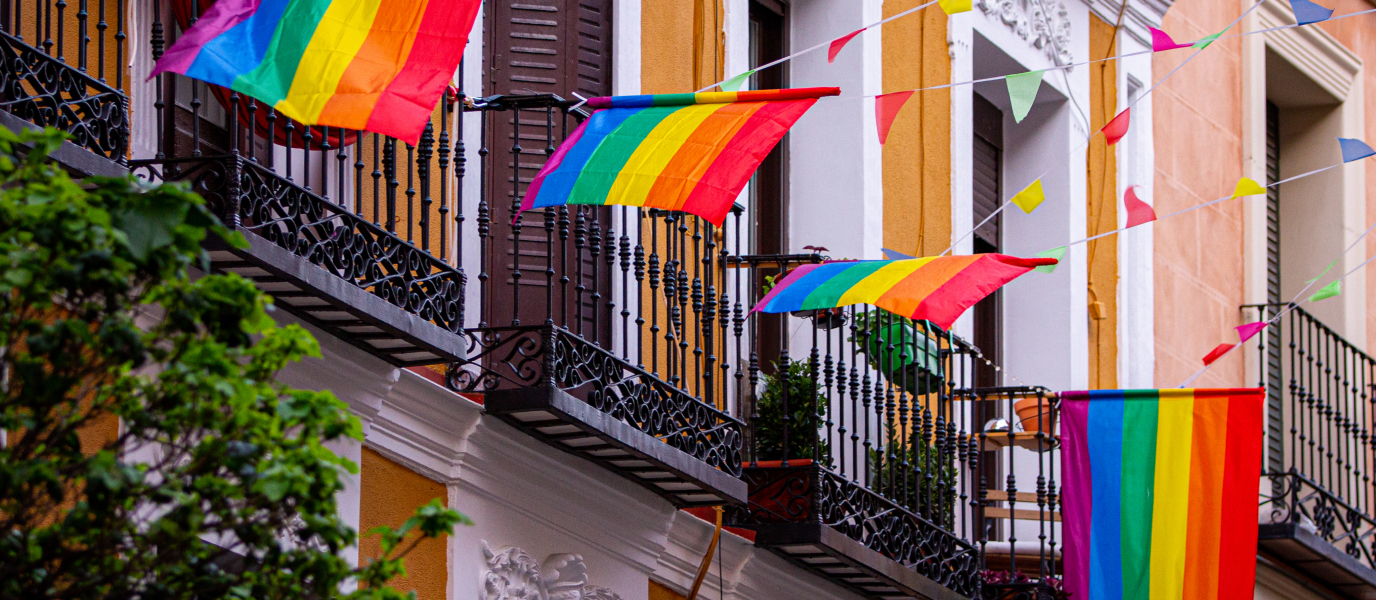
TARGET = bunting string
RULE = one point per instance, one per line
(1199, 48)
(810, 49)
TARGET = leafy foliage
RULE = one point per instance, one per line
(149, 452)
(803, 425)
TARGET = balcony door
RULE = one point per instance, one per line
(544, 47)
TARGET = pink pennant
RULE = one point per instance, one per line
(1161, 40)
(1218, 352)
(886, 109)
(1139, 212)
(839, 43)
(1118, 127)
(1245, 332)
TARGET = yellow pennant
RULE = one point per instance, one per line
(1247, 187)
(956, 6)
(1030, 197)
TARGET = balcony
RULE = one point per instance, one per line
(63, 69)
(869, 463)
(1317, 512)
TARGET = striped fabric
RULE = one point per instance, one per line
(688, 152)
(1160, 493)
(375, 65)
(936, 289)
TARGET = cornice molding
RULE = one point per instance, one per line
(1312, 50)
(1044, 24)
(1140, 15)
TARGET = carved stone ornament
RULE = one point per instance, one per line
(1043, 24)
(512, 574)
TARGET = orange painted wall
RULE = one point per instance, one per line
(659, 591)
(1198, 152)
(1102, 210)
(917, 156)
(389, 494)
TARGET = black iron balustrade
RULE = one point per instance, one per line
(872, 444)
(1321, 451)
(55, 74)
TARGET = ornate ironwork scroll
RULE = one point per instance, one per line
(810, 493)
(551, 356)
(47, 92)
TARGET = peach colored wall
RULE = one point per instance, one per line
(1198, 131)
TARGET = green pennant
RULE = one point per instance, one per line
(1328, 291)
(1206, 40)
(1022, 92)
(1057, 253)
(735, 84)
(1325, 271)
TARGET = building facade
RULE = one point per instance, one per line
(588, 384)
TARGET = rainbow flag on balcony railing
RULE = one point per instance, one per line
(1160, 493)
(374, 65)
(688, 152)
(937, 289)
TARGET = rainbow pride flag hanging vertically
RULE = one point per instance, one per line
(1160, 493)
(374, 65)
(933, 288)
(688, 152)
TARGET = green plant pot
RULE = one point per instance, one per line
(920, 371)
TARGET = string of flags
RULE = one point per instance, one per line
(1140, 213)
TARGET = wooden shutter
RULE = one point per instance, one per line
(1275, 441)
(544, 47)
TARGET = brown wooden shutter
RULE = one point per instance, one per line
(537, 47)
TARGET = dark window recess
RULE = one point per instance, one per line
(1275, 442)
(988, 194)
(768, 192)
(545, 47)
(198, 124)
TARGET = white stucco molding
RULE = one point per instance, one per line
(748, 573)
(1312, 50)
(1140, 15)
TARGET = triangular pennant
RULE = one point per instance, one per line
(1118, 127)
(956, 6)
(1161, 41)
(735, 84)
(1307, 12)
(1328, 291)
(1139, 212)
(1057, 253)
(1022, 92)
(839, 43)
(1204, 42)
(895, 255)
(1354, 149)
(1247, 187)
(1030, 197)
(1217, 353)
(886, 107)
(1325, 270)
(1245, 332)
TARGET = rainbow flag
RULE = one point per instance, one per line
(1160, 493)
(375, 65)
(688, 152)
(937, 289)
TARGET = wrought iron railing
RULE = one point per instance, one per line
(1321, 451)
(877, 432)
(63, 67)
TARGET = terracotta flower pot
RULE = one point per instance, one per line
(1028, 410)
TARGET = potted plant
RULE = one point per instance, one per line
(1001, 585)
(907, 355)
(937, 488)
(804, 425)
(1035, 413)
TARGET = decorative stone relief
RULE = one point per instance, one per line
(512, 574)
(1043, 24)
